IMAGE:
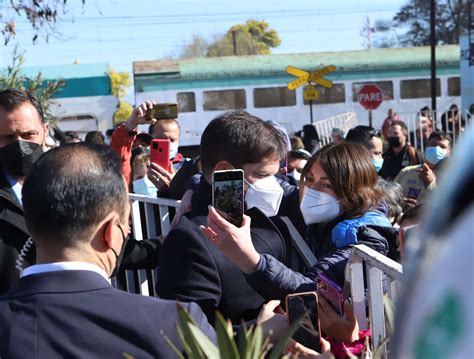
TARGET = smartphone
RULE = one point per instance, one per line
(331, 292)
(228, 195)
(160, 153)
(305, 306)
(162, 111)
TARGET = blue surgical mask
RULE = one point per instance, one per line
(378, 163)
(173, 150)
(434, 154)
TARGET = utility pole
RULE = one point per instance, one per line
(433, 55)
(234, 42)
(367, 26)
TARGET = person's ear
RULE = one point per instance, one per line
(109, 230)
(222, 166)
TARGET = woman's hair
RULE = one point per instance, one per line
(393, 196)
(349, 168)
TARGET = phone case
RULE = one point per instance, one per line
(228, 195)
(160, 153)
(331, 292)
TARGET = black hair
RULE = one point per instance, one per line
(239, 138)
(71, 135)
(362, 135)
(95, 137)
(70, 189)
(11, 99)
(109, 132)
(440, 135)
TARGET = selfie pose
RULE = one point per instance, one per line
(339, 203)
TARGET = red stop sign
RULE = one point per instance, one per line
(370, 96)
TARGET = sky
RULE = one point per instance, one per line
(119, 32)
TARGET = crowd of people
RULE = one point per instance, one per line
(65, 226)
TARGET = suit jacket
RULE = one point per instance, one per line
(77, 314)
(13, 235)
(191, 268)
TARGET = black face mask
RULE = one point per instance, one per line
(393, 142)
(119, 256)
(17, 158)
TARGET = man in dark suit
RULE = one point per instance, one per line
(23, 132)
(76, 208)
(191, 268)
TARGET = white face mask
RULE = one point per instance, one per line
(144, 186)
(318, 207)
(295, 174)
(173, 149)
(265, 194)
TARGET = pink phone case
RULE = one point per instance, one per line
(331, 292)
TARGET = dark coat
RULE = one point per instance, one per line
(77, 314)
(273, 280)
(13, 235)
(191, 268)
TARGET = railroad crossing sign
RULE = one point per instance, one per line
(310, 93)
(370, 96)
(305, 77)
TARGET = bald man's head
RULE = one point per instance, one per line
(70, 189)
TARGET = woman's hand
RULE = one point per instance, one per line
(273, 320)
(300, 351)
(234, 242)
(332, 324)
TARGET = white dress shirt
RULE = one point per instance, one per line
(61, 266)
(16, 187)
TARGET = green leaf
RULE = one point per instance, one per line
(179, 355)
(242, 336)
(185, 321)
(208, 347)
(255, 347)
(225, 338)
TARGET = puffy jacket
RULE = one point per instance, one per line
(332, 245)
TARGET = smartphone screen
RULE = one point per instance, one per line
(228, 195)
(305, 305)
(162, 111)
(160, 153)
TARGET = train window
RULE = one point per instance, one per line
(186, 101)
(336, 94)
(419, 88)
(273, 97)
(385, 86)
(224, 100)
(454, 87)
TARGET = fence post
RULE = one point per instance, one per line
(358, 291)
(376, 309)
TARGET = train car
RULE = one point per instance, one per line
(206, 87)
(85, 103)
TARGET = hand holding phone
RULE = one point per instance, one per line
(160, 153)
(305, 305)
(228, 195)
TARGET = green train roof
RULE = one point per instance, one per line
(270, 69)
(81, 79)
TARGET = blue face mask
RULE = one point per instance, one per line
(434, 154)
(378, 163)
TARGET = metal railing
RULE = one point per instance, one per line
(343, 122)
(379, 269)
(143, 281)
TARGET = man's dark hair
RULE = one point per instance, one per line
(95, 137)
(399, 123)
(440, 135)
(71, 188)
(239, 138)
(109, 132)
(11, 99)
(72, 135)
(362, 135)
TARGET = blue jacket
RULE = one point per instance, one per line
(332, 246)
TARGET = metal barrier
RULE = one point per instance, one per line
(378, 268)
(343, 121)
(142, 281)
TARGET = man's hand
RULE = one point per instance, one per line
(273, 320)
(409, 203)
(138, 116)
(426, 175)
(340, 328)
(160, 177)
